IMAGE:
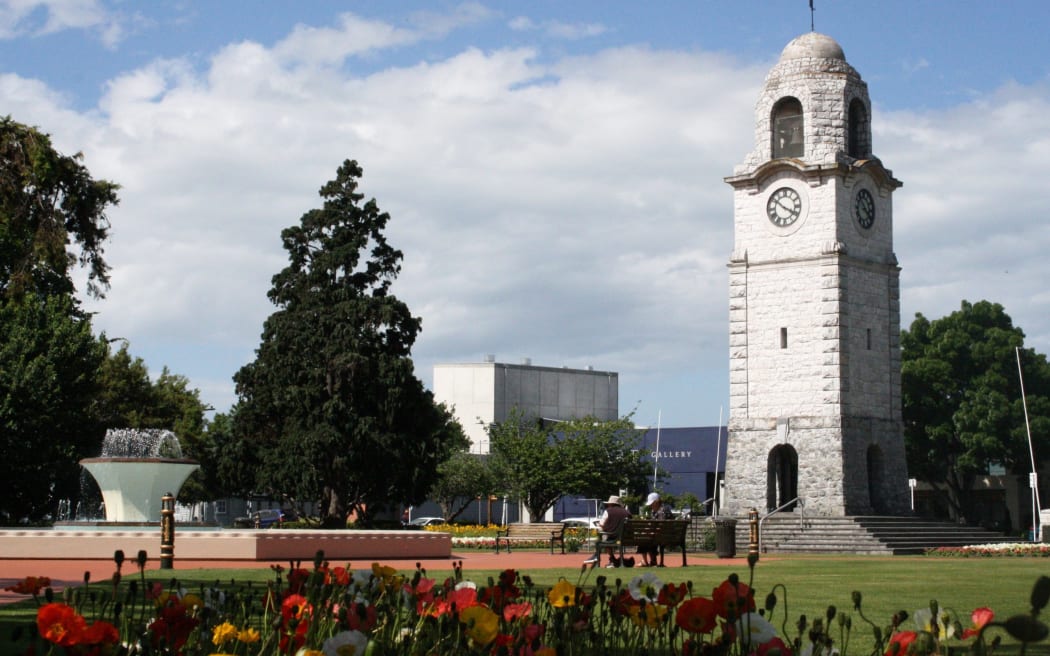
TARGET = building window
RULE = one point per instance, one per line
(220, 507)
(789, 136)
(859, 130)
(869, 339)
(783, 338)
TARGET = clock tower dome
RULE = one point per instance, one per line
(814, 301)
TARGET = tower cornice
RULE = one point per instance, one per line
(814, 174)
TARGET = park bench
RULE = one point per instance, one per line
(645, 533)
(537, 531)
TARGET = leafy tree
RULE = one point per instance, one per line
(232, 459)
(462, 479)
(125, 396)
(49, 363)
(587, 457)
(962, 399)
(48, 201)
(331, 402)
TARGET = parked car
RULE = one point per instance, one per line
(426, 521)
(580, 522)
(268, 518)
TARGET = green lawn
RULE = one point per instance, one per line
(812, 583)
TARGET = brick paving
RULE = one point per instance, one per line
(66, 572)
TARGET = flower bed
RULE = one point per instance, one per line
(1027, 549)
(333, 611)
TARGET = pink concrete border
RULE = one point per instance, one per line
(238, 544)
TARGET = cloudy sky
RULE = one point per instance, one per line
(554, 170)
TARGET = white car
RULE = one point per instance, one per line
(426, 521)
(580, 522)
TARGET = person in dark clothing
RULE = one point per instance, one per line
(656, 509)
(608, 525)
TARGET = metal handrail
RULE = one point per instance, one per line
(802, 517)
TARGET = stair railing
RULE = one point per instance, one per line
(798, 502)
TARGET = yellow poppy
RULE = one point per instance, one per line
(482, 625)
(563, 594)
(223, 633)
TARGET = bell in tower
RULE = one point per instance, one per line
(815, 402)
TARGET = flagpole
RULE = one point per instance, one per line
(656, 458)
(1033, 479)
(718, 457)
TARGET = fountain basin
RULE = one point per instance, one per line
(132, 488)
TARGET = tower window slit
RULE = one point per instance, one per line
(869, 339)
(789, 134)
(783, 338)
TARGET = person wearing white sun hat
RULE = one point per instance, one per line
(655, 509)
(613, 515)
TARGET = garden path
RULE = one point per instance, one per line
(71, 571)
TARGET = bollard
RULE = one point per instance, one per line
(167, 531)
(752, 543)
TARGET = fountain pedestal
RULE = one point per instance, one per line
(132, 488)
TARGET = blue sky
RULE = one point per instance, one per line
(553, 170)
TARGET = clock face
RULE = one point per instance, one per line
(864, 209)
(784, 207)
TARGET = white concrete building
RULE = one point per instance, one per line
(814, 309)
(484, 393)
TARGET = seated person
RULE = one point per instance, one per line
(608, 524)
(657, 509)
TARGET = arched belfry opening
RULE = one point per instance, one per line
(859, 136)
(789, 135)
(876, 477)
(782, 477)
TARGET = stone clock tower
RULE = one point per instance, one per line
(814, 301)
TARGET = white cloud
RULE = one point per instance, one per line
(558, 29)
(40, 17)
(569, 210)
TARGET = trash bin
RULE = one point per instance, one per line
(725, 537)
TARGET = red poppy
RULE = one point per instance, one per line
(733, 599)
(697, 615)
(60, 624)
(512, 612)
(361, 617)
(899, 642)
(672, 595)
(291, 642)
(979, 617)
(31, 585)
(297, 580)
(172, 626)
(622, 603)
(508, 577)
(463, 598)
(101, 633)
(775, 643)
(339, 576)
(295, 606)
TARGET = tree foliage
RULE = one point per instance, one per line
(962, 399)
(48, 201)
(462, 478)
(49, 364)
(586, 457)
(331, 403)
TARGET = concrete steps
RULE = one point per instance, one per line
(793, 533)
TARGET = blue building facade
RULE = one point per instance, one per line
(687, 460)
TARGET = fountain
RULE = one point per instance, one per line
(137, 468)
